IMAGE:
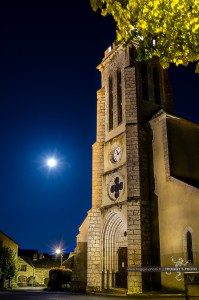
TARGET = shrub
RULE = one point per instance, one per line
(58, 278)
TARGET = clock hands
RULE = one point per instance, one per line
(116, 154)
(118, 151)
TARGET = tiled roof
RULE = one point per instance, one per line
(45, 262)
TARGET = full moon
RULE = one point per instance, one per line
(51, 162)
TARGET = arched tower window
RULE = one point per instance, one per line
(110, 103)
(132, 55)
(119, 97)
(156, 84)
(189, 246)
(144, 78)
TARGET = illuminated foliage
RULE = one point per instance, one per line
(168, 29)
(58, 278)
(8, 264)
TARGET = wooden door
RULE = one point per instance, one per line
(121, 275)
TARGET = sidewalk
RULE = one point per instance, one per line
(28, 288)
(151, 295)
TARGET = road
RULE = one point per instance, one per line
(44, 295)
(23, 295)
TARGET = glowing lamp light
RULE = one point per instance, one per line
(58, 251)
(52, 162)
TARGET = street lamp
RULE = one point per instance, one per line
(59, 251)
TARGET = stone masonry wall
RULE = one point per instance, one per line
(169, 107)
(133, 179)
(98, 152)
(146, 195)
(79, 272)
(94, 215)
(134, 247)
(94, 251)
(40, 275)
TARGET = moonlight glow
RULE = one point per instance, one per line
(51, 162)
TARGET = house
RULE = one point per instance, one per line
(6, 241)
(34, 267)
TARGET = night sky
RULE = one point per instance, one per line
(48, 56)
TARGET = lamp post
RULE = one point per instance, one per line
(59, 251)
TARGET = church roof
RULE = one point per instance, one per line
(163, 113)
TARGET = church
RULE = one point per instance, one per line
(145, 183)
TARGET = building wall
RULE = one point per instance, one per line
(5, 241)
(183, 142)
(178, 208)
(31, 276)
(23, 277)
(94, 269)
(79, 270)
(42, 276)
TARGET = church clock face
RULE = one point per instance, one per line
(116, 153)
(115, 187)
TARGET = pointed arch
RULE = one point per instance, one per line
(119, 97)
(189, 245)
(110, 89)
(113, 236)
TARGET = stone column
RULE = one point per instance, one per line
(94, 251)
(133, 183)
(134, 247)
(94, 270)
(98, 152)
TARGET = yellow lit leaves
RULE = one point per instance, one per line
(173, 23)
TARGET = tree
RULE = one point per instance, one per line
(168, 29)
(8, 264)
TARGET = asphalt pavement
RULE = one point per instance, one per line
(42, 294)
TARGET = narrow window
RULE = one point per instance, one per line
(144, 77)
(110, 103)
(189, 247)
(23, 268)
(119, 97)
(156, 84)
(132, 55)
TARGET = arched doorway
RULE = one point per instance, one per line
(114, 245)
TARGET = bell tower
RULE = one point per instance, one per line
(123, 198)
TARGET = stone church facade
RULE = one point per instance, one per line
(145, 182)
